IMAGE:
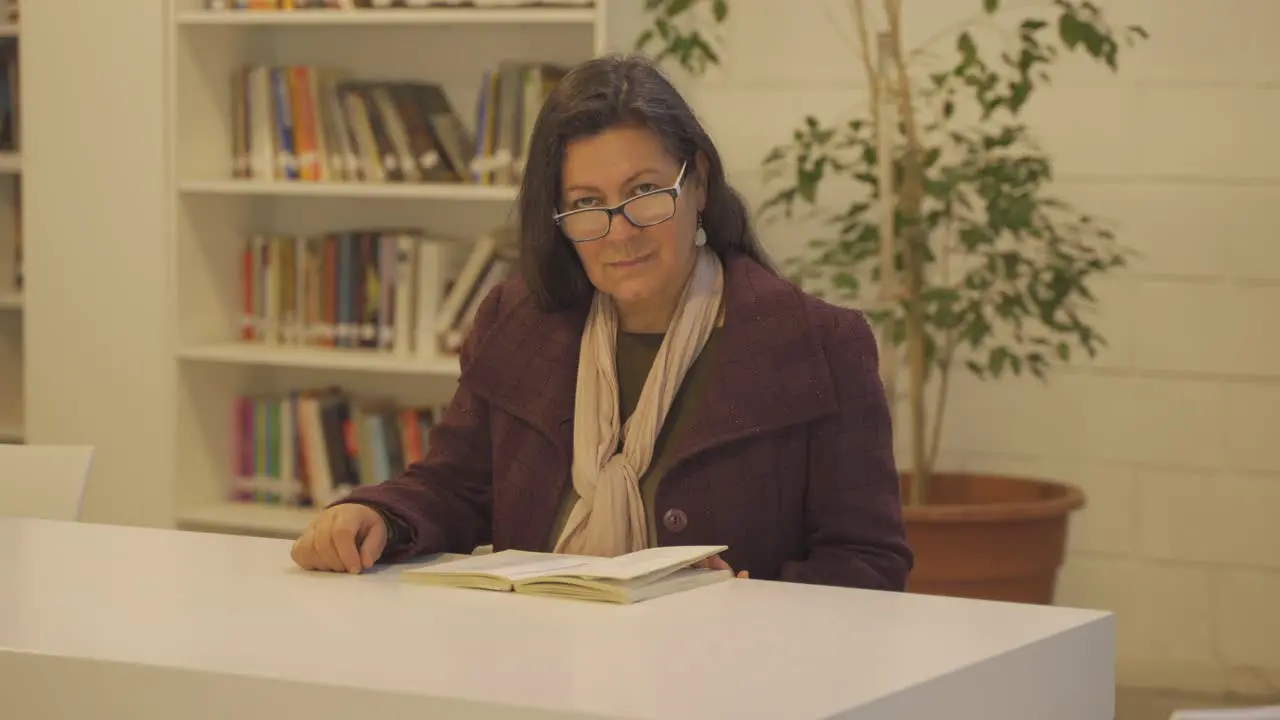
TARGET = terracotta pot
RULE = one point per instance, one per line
(989, 537)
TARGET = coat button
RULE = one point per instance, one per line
(675, 520)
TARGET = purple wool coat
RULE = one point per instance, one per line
(789, 461)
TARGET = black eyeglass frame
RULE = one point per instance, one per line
(620, 209)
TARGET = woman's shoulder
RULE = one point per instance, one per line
(506, 300)
(511, 301)
(837, 323)
(509, 322)
(780, 329)
(780, 297)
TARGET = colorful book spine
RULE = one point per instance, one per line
(307, 448)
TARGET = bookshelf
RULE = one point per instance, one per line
(12, 390)
(254, 362)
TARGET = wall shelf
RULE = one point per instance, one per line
(247, 518)
(11, 434)
(324, 359)
(10, 163)
(404, 191)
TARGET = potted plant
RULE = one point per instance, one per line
(957, 250)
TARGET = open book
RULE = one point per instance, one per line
(624, 579)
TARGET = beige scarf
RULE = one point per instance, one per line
(609, 517)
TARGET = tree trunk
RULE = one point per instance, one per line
(914, 238)
(886, 129)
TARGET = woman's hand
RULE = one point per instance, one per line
(344, 538)
(716, 563)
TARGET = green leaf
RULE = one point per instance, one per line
(675, 7)
(990, 5)
(708, 53)
(719, 10)
(644, 39)
(845, 281)
(1069, 29)
(998, 357)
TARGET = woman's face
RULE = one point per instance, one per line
(634, 265)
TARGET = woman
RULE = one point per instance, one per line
(648, 380)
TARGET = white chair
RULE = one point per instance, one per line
(43, 481)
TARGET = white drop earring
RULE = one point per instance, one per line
(700, 236)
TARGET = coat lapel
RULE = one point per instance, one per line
(527, 365)
(770, 370)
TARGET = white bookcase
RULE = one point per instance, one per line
(213, 211)
(11, 317)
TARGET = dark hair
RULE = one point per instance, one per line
(592, 97)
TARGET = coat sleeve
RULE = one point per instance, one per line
(443, 501)
(853, 516)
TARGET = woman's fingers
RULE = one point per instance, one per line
(324, 546)
(713, 563)
(375, 541)
(302, 552)
(344, 532)
(345, 538)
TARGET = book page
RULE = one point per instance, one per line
(644, 562)
(509, 564)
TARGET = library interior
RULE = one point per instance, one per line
(257, 261)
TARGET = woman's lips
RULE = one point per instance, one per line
(631, 262)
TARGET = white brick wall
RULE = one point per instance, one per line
(1174, 431)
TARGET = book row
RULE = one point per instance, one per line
(309, 124)
(308, 448)
(402, 292)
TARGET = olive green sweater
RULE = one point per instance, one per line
(635, 356)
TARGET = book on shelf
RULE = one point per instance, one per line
(285, 5)
(628, 578)
(10, 92)
(492, 260)
(401, 292)
(305, 123)
(307, 448)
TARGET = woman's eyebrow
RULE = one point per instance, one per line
(630, 178)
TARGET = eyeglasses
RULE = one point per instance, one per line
(644, 210)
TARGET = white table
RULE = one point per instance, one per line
(112, 622)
